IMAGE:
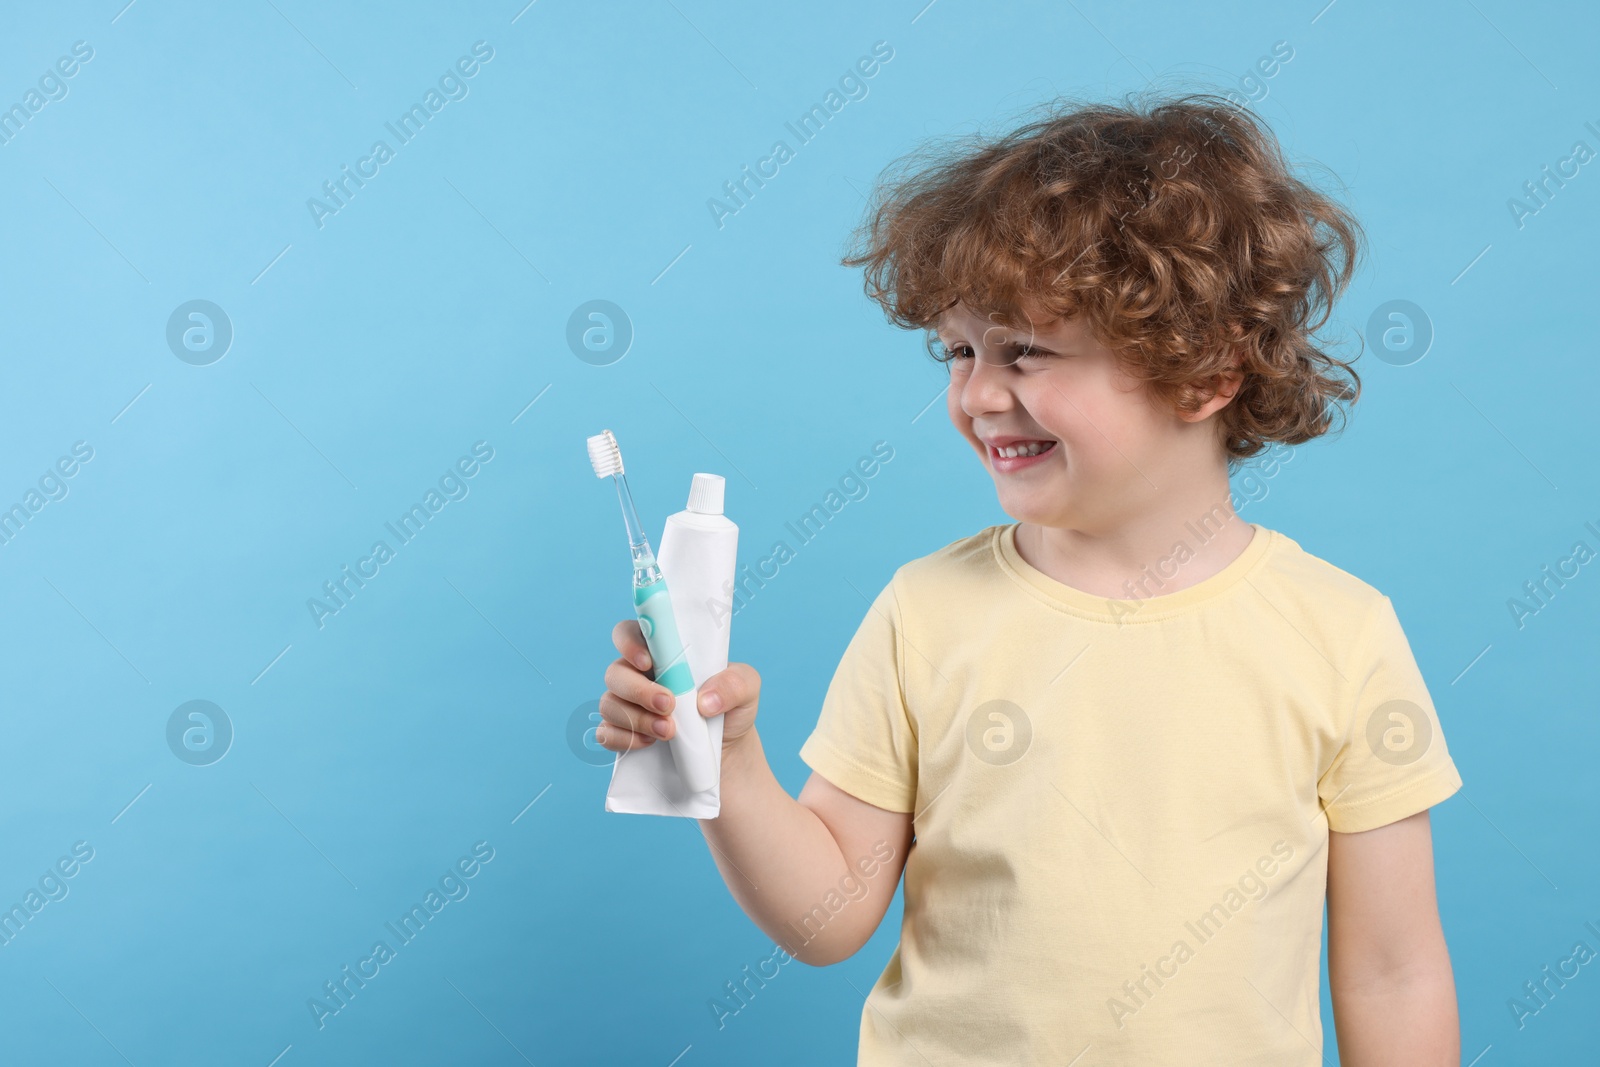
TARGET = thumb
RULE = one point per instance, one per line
(733, 689)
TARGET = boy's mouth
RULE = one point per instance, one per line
(1018, 454)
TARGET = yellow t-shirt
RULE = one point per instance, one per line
(1121, 806)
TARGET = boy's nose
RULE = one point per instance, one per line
(985, 389)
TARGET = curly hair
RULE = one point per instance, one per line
(1174, 227)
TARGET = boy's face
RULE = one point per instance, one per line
(1108, 448)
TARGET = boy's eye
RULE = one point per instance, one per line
(1020, 351)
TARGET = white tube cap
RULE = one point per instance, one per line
(705, 494)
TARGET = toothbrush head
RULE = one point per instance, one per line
(604, 455)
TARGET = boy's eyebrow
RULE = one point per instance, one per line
(1031, 338)
(1036, 336)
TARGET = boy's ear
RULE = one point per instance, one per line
(1216, 394)
(1217, 391)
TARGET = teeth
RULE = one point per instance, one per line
(1031, 448)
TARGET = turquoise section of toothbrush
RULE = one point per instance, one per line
(660, 627)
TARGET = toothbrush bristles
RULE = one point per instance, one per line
(604, 455)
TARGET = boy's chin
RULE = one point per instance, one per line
(1033, 507)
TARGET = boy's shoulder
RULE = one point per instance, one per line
(1332, 607)
(972, 556)
(1300, 569)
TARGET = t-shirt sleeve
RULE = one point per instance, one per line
(865, 740)
(1394, 762)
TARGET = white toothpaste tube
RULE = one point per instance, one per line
(698, 558)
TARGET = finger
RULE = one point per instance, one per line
(629, 640)
(626, 716)
(636, 688)
(616, 739)
(739, 686)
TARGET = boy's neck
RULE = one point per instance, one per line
(1113, 563)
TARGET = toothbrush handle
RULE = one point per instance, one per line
(691, 739)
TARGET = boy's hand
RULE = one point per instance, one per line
(633, 719)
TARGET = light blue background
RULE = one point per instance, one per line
(426, 315)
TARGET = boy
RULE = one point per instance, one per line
(1140, 741)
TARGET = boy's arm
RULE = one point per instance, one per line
(790, 863)
(1394, 997)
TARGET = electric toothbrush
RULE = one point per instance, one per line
(691, 738)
